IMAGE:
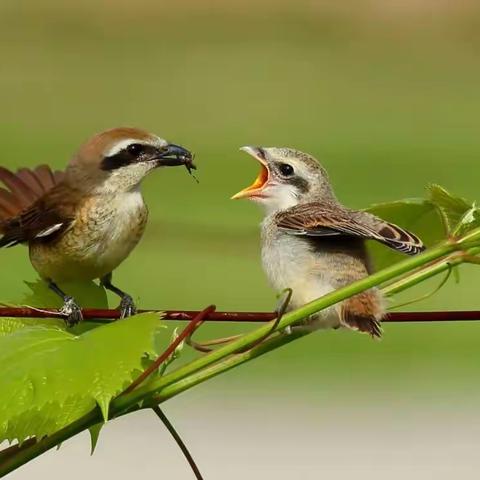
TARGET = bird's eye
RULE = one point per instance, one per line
(135, 149)
(285, 169)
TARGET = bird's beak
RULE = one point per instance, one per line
(174, 155)
(255, 189)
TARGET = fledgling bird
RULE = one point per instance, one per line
(82, 223)
(312, 244)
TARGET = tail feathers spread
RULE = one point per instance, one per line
(363, 313)
(364, 324)
(23, 188)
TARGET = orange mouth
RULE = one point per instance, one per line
(255, 189)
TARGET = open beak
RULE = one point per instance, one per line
(255, 189)
(174, 155)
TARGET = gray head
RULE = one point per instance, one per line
(287, 178)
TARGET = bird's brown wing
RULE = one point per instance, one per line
(24, 187)
(44, 220)
(318, 220)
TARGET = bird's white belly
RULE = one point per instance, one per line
(289, 263)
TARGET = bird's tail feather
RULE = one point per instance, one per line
(362, 312)
(23, 188)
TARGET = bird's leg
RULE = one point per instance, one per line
(127, 306)
(70, 307)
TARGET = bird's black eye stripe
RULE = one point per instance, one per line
(286, 169)
(136, 149)
(135, 152)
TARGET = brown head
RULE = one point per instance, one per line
(287, 178)
(118, 159)
(110, 162)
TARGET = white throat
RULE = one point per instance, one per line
(278, 198)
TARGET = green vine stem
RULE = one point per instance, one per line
(201, 369)
(435, 268)
(326, 301)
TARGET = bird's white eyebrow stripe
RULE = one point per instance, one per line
(122, 144)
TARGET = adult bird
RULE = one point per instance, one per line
(82, 223)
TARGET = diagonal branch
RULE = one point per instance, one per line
(188, 330)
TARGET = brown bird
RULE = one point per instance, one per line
(312, 244)
(82, 223)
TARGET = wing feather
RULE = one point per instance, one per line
(24, 188)
(45, 176)
(7, 204)
(23, 192)
(320, 220)
(45, 220)
(30, 179)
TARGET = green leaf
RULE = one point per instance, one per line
(86, 293)
(40, 296)
(11, 325)
(468, 222)
(51, 377)
(94, 434)
(421, 217)
(451, 207)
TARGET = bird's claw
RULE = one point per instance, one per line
(127, 307)
(72, 312)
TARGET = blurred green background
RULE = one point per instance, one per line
(384, 93)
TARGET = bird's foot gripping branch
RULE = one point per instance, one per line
(112, 357)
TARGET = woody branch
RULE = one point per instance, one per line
(108, 315)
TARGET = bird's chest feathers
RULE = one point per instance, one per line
(290, 262)
(111, 227)
(285, 259)
(104, 232)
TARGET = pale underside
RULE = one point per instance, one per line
(102, 235)
(290, 262)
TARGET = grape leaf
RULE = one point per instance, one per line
(94, 432)
(469, 221)
(51, 377)
(87, 294)
(11, 325)
(451, 207)
(40, 296)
